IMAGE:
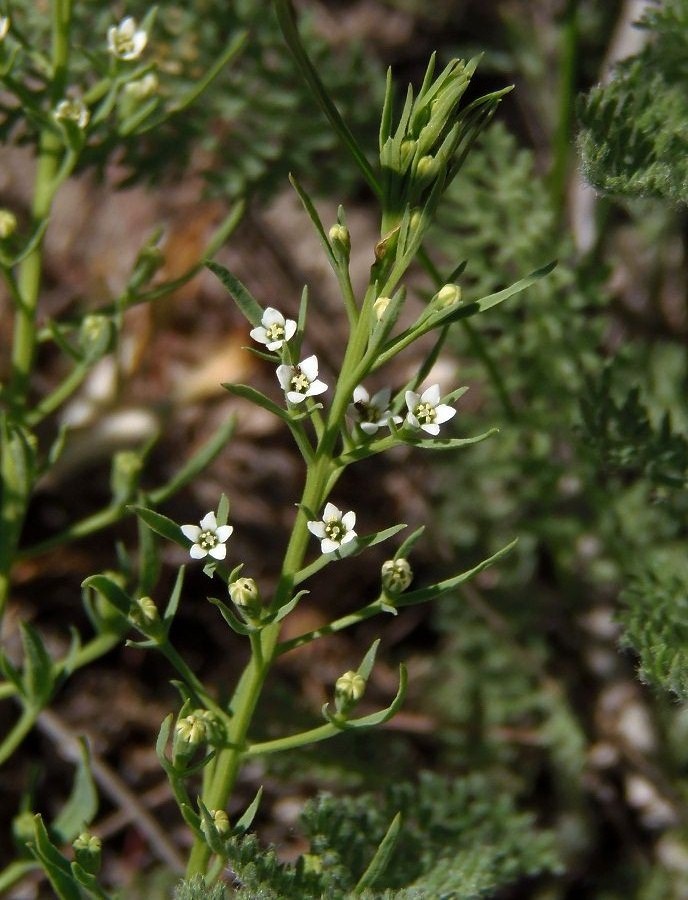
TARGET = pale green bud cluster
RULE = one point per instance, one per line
(245, 595)
(220, 820)
(396, 576)
(87, 850)
(8, 224)
(340, 238)
(145, 612)
(192, 729)
(348, 690)
(446, 297)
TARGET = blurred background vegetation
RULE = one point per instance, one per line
(549, 693)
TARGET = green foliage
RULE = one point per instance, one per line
(635, 128)
(196, 889)
(656, 622)
(456, 840)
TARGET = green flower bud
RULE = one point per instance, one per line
(246, 597)
(87, 850)
(23, 828)
(426, 168)
(348, 690)
(220, 820)
(124, 477)
(95, 336)
(449, 295)
(380, 305)
(145, 612)
(8, 224)
(340, 238)
(408, 148)
(192, 729)
(396, 576)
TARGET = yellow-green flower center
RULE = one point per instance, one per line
(426, 413)
(299, 381)
(335, 531)
(274, 332)
(207, 540)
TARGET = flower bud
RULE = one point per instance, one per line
(426, 168)
(220, 820)
(348, 690)
(380, 305)
(8, 224)
(396, 576)
(142, 88)
(87, 850)
(191, 729)
(449, 295)
(246, 597)
(95, 336)
(23, 828)
(340, 239)
(124, 476)
(145, 612)
(408, 148)
(72, 110)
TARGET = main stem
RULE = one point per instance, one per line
(263, 646)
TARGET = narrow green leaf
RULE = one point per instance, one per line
(368, 660)
(234, 623)
(173, 602)
(383, 854)
(163, 738)
(254, 396)
(436, 590)
(243, 298)
(38, 676)
(112, 592)
(212, 836)
(244, 823)
(161, 525)
(89, 882)
(387, 110)
(315, 219)
(352, 549)
(54, 864)
(451, 443)
(409, 543)
(82, 804)
(284, 611)
(378, 718)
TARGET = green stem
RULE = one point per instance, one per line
(562, 146)
(18, 732)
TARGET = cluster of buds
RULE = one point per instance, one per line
(396, 576)
(87, 852)
(192, 730)
(245, 595)
(348, 690)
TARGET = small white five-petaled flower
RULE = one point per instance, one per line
(373, 412)
(299, 382)
(126, 41)
(425, 410)
(334, 529)
(274, 329)
(208, 537)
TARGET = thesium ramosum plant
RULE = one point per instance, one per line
(203, 745)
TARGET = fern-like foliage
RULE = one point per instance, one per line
(634, 140)
(656, 623)
(627, 442)
(196, 889)
(457, 840)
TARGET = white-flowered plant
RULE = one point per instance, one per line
(274, 329)
(72, 109)
(335, 529)
(301, 381)
(142, 88)
(209, 538)
(126, 41)
(371, 413)
(425, 410)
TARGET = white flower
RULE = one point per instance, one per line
(335, 528)
(126, 41)
(372, 412)
(142, 88)
(299, 382)
(72, 110)
(425, 410)
(208, 538)
(274, 329)
(4, 27)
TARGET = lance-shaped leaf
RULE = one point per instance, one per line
(409, 543)
(358, 545)
(82, 804)
(38, 678)
(244, 823)
(422, 595)
(112, 592)
(448, 443)
(173, 602)
(383, 854)
(243, 298)
(161, 525)
(54, 864)
(88, 881)
(214, 839)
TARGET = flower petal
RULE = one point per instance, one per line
(349, 536)
(412, 400)
(412, 420)
(197, 552)
(309, 367)
(219, 551)
(275, 345)
(349, 520)
(369, 427)
(381, 399)
(316, 387)
(327, 545)
(331, 513)
(294, 397)
(431, 428)
(259, 334)
(431, 395)
(317, 528)
(284, 375)
(272, 316)
(444, 413)
(223, 532)
(192, 532)
(209, 522)
(289, 329)
(361, 395)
